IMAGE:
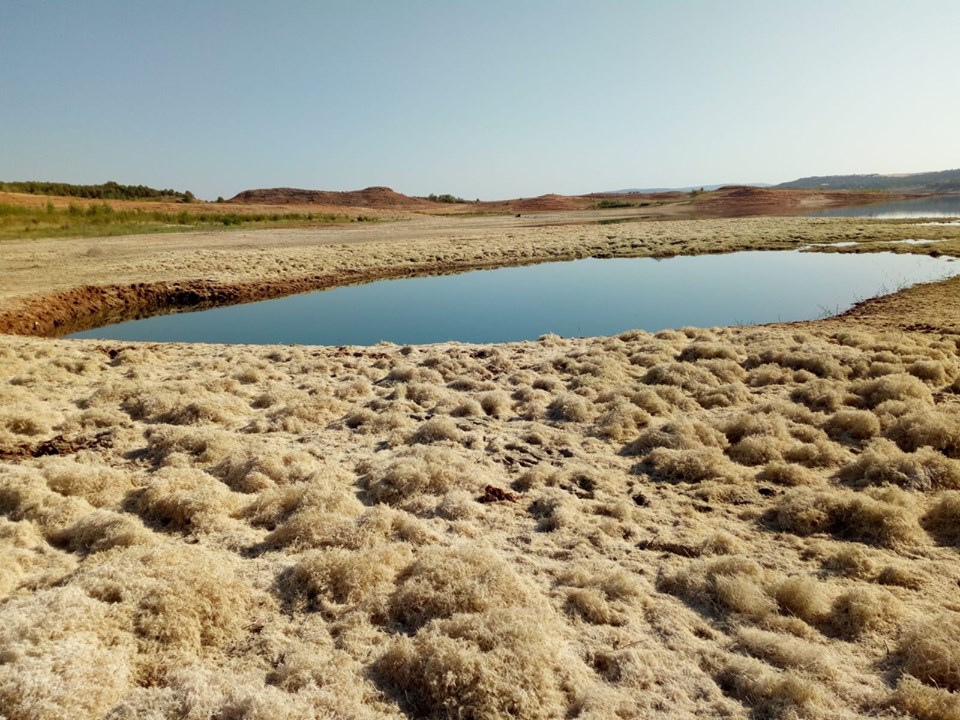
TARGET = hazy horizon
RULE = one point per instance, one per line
(483, 100)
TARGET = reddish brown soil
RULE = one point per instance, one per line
(68, 311)
(374, 197)
(730, 201)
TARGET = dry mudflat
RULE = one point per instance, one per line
(729, 522)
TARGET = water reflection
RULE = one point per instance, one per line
(584, 297)
(945, 206)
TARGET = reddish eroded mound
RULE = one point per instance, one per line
(550, 202)
(746, 200)
(374, 197)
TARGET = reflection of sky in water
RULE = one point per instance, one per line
(583, 297)
(945, 207)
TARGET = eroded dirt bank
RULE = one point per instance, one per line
(735, 522)
(53, 287)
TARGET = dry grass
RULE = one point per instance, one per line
(497, 664)
(886, 518)
(931, 651)
(942, 520)
(723, 522)
(882, 462)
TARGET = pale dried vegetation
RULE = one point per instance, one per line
(742, 522)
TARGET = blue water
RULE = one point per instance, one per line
(579, 298)
(947, 206)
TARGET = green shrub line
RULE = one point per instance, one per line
(102, 220)
(611, 204)
(445, 198)
(106, 191)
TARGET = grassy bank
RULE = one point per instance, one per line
(101, 220)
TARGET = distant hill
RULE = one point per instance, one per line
(107, 191)
(380, 197)
(686, 188)
(940, 181)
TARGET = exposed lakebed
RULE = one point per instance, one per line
(578, 298)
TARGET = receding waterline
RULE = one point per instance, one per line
(572, 299)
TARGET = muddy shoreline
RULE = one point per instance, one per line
(224, 271)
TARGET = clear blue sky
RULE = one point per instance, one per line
(491, 99)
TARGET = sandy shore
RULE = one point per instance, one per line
(732, 522)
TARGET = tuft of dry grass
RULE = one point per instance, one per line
(882, 462)
(783, 651)
(727, 584)
(174, 596)
(497, 664)
(621, 420)
(436, 429)
(885, 518)
(816, 363)
(931, 651)
(342, 576)
(820, 395)
(771, 694)
(602, 595)
(496, 404)
(65, 656)
(803, 597)
(863, 610)
(942, 519)
(569, 408)
(186, 500)
(690, 466)
(852, 425)
(851, 562)
(86, 476)
(661, 400)
(926, 428)
(445, 581)
(789, 474)
(932, 372)
(419, 471)
(678, 434)
(924, 702)
(102, 530)
(898, 386)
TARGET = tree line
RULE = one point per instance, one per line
(106, 191)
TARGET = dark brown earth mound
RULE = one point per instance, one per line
(374, 197)
(549, 202)
(542, 203)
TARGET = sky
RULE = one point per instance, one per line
(486, 99)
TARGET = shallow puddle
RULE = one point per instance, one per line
(579, 298)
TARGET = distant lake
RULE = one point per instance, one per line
(579, 298)
(947, 206)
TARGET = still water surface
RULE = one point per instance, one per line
(579, 298)
(937, 207)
